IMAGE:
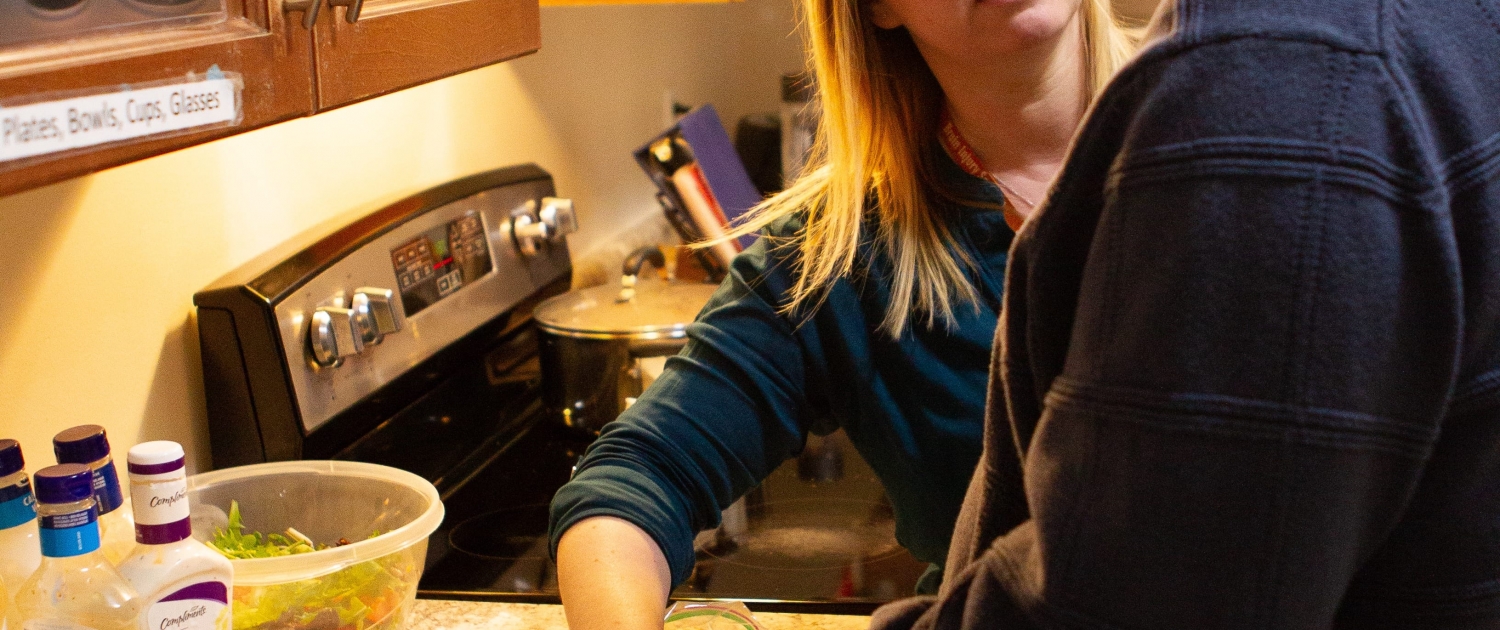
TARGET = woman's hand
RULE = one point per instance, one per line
(612, 576)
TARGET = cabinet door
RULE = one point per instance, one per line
(400, 43)
(271, 52)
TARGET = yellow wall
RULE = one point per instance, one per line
(97, 273)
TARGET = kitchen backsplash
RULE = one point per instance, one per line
(601, 264)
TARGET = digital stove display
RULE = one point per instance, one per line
(441, 261)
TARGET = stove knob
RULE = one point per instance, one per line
(374, 317)
(558, 215)
(526, 230)
(554, 221)
(332, 336)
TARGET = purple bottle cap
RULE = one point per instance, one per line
(11, 461)
(81, 445)
(64, 483)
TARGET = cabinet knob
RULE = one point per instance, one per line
(308, 8)
(351, 8)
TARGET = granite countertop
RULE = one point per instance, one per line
(434, 614)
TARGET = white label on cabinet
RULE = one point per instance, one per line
(123, 114)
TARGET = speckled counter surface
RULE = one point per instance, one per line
(432, 614)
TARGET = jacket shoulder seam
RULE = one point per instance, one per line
(1477, 393)
(1246, 418)
(1275, 157)
(1474, 165)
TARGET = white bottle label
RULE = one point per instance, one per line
(159, 503)
(195, 607)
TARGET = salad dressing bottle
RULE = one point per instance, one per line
(88, 445)
(75, 588)
(20, 553)
(183, 584)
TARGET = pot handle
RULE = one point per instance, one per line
(646, 348)
(632, 268)
(638, 259)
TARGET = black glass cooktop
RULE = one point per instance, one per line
(816, 536)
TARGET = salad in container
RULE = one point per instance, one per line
(318, 545)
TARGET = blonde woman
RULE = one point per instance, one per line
(870, 302)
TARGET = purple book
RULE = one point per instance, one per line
(721, 165)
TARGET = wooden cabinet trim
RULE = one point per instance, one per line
(51, 59)
(382, 53)
(272, 57)
(394, 46)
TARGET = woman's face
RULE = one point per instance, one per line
(963, 29)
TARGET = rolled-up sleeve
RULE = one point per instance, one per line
(724, 413)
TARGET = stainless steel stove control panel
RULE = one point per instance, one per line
(453, 268)
(352, 311)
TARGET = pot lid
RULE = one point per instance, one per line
(657, 306)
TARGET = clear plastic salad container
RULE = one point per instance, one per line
(384, 516)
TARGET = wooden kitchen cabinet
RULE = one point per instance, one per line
(287, 70)
(270, 51)
(400, 43)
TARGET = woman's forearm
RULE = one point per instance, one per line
(612, 575)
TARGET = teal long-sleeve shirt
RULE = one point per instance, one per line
(752, 382)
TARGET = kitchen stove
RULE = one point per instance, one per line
(451, 390)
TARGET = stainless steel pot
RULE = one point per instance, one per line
(594, 341)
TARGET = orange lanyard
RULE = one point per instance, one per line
(964, 156)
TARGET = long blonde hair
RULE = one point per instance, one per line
(880, 106)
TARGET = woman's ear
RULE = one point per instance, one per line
(881, 14)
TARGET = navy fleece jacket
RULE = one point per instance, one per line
(1249, 362)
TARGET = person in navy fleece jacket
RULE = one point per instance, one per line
(1248, 366)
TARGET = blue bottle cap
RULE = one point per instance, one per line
(81, 445)
(64, 483)
(10, 457)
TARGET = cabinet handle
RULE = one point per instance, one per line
(351, 8)
(308, 9)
